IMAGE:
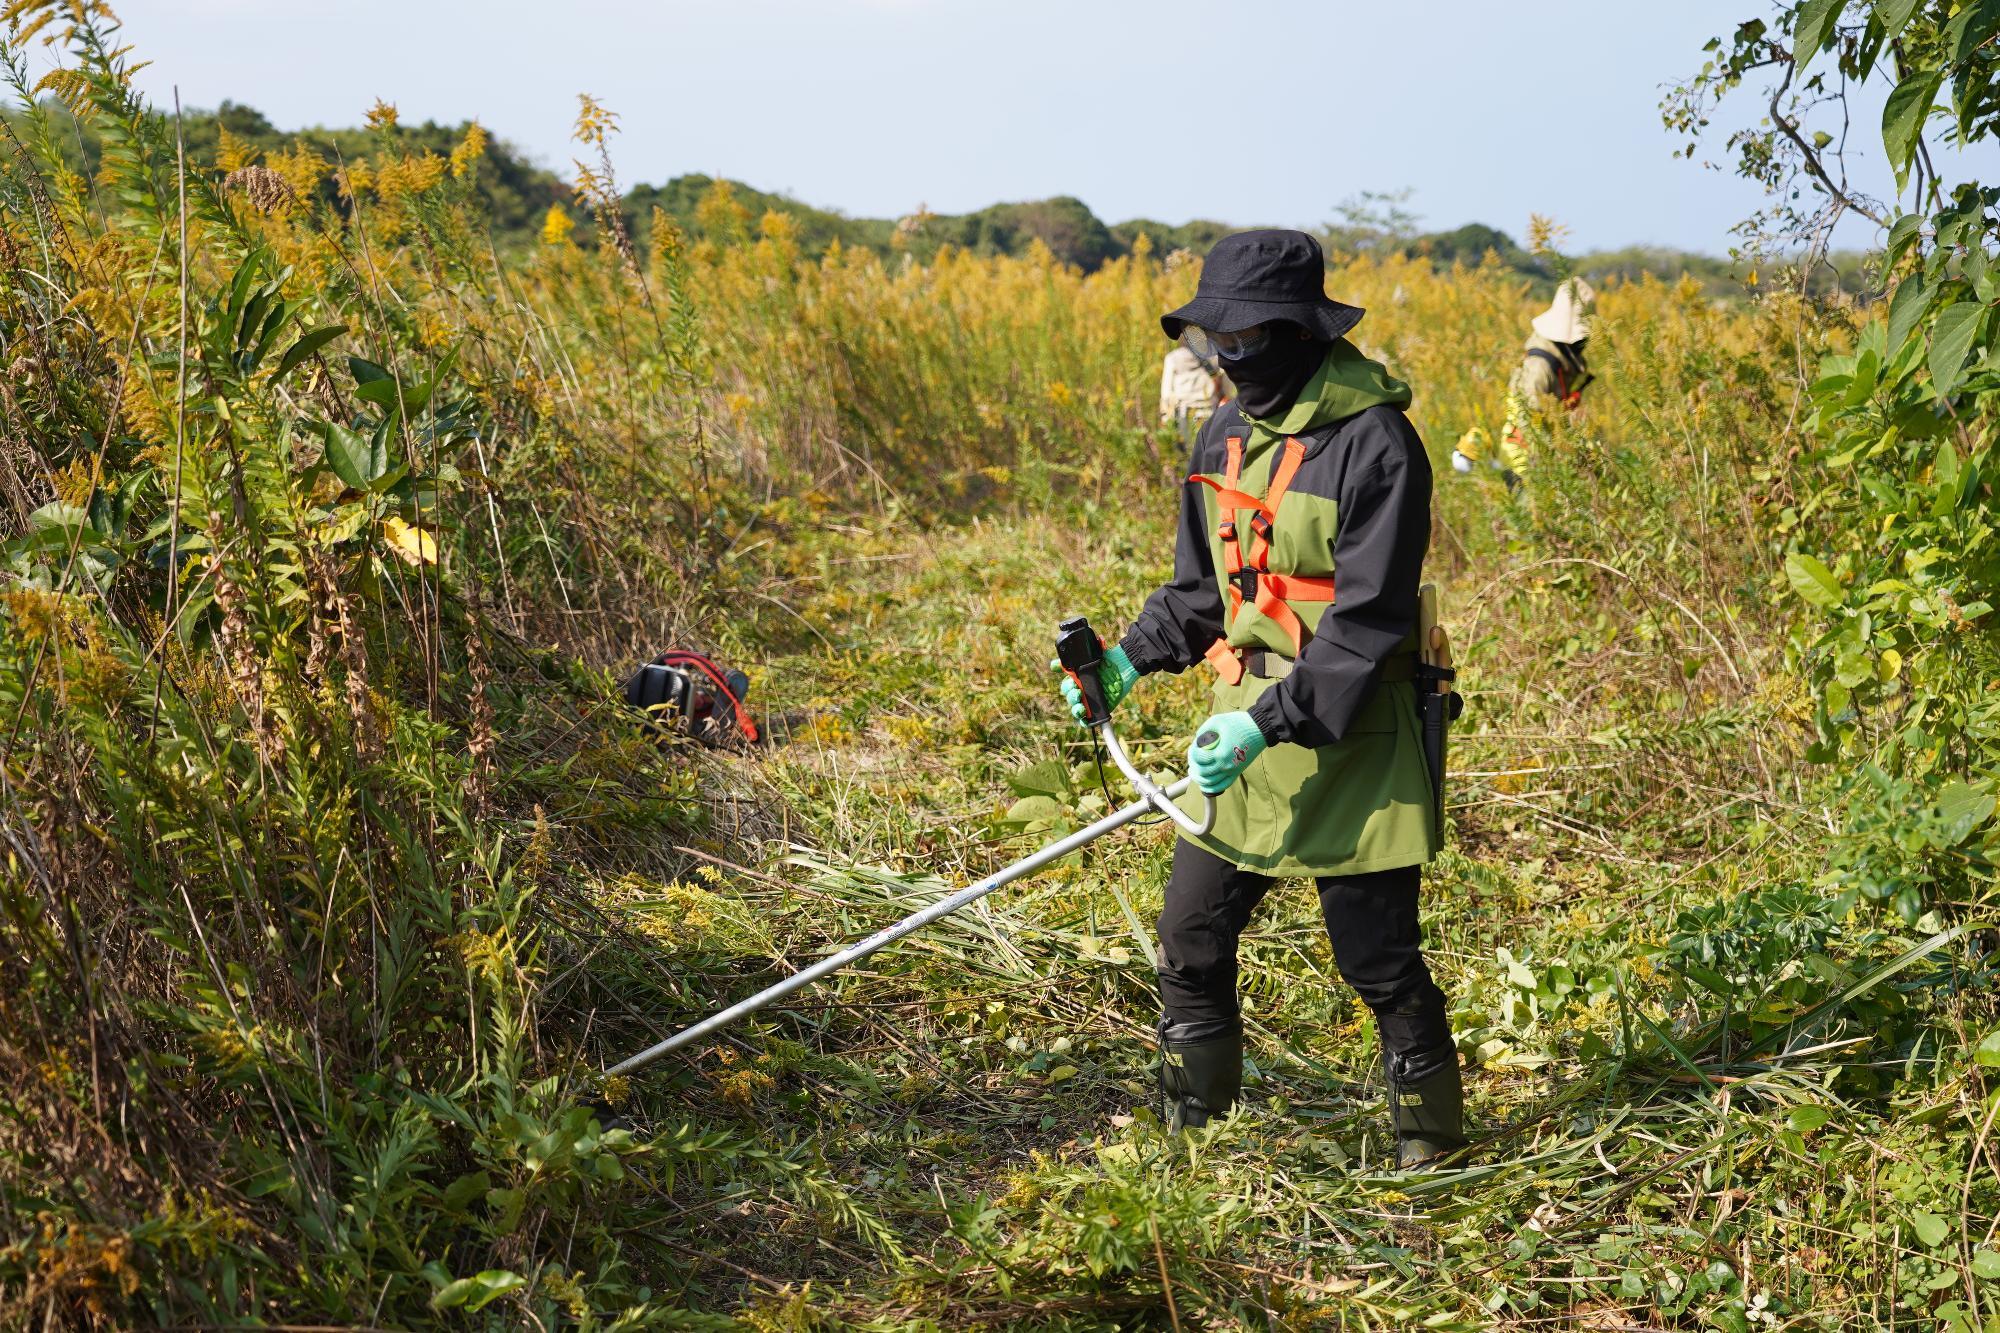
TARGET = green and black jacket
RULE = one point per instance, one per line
(1343, 787)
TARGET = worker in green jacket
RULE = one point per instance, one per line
(1313, 752)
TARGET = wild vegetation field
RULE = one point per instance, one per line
(335, 870)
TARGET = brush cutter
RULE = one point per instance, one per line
(1080, 651)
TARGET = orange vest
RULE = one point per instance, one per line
(1270, 593)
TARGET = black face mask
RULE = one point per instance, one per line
(1269, 379)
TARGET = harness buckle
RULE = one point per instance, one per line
(1245, 583)
(1261, 525)
(1227, 531)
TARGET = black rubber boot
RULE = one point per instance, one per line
(1427, 1110)
(1200, 1073)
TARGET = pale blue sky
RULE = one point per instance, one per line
(1248, 111)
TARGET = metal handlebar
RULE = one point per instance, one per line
(1152, 793)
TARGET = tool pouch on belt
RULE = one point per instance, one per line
(1438, 705)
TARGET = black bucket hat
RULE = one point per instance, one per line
(1256, 276)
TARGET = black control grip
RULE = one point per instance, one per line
(1081, 653)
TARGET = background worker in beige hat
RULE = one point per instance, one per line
(1552, 375)
(1190, 389)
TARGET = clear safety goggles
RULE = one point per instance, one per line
(1210, 345)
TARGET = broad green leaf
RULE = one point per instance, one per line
(1903, 117)
(1867, 372)
(190, 621)
(355, 459)
(462, 1193)
(1972, 267)
(1973, 28)
(1952, 335)
(475, 1292)
(1062, 1073)
(1806, 1119)
(59, 516)
(1813, 581)
(1987, 1052)
(1902, 233)
(1030, 809)
(305, 347)
(1815, 29)
(366, 371)
(1945, 467)
(1985, 1264)
(1894, 16)
(1906, 308)
(382, 393)
(1962, 808)
(1046, 778)
(1930, 1228)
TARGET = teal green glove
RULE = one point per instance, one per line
(1223, 747)
(1117, 673)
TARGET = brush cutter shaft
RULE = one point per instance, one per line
(854, 953)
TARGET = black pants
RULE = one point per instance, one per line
(1377, 944)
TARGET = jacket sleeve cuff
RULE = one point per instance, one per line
(1140, 653)
(1270, 718)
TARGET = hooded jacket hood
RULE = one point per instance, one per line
(1345, 383)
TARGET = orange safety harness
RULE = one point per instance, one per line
(1569, 395)
(1270, 593)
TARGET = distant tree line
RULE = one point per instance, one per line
(519, 194)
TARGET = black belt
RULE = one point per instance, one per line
(1276, 666)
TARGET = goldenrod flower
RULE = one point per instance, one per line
(409, 175)
(1545, 234)
(382, 116)
(68, 86)
(719, 215)
(557, 226)
(777, 226)
(303, 168)
(470, 149)
(355, 177)
(594, 122)
(232, 153)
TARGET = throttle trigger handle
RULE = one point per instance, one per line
(1081, 653)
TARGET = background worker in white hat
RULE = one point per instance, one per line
(1552, 376)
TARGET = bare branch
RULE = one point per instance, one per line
(1814, 167)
